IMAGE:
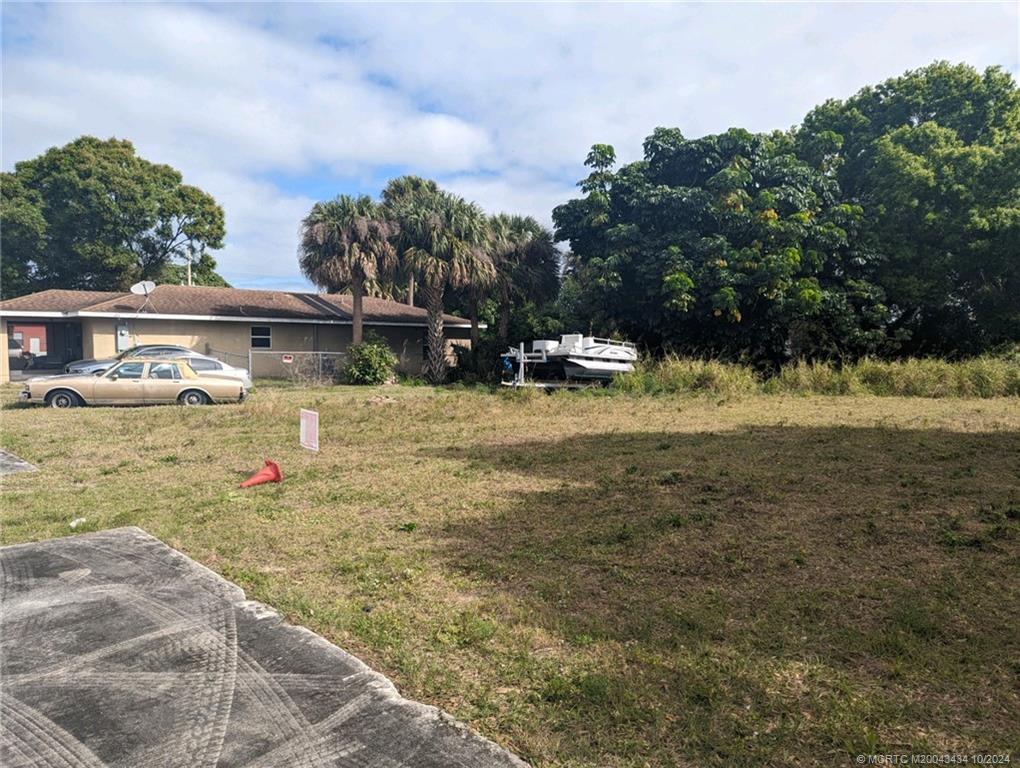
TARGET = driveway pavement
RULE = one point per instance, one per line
(116, 650)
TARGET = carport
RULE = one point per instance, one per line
(41, 345)
(50, 321)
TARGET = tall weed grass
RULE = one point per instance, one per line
(979, 377)
(679, 374)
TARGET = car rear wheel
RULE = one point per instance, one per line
(62, 399)
(192, 397)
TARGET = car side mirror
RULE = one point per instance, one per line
(114, 377)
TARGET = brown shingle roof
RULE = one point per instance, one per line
(381, 310)
(56, 300)
(217, 302)
(222, 302)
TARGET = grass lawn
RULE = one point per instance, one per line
(600, 581)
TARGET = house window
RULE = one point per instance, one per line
(261, 337)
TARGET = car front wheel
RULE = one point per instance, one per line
(192, 397)
(62, 399)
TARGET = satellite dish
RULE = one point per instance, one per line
(143, 288)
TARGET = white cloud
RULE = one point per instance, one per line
(501, 101)
(185, 81)
(514, 191)
(263, 226)
(550, 80)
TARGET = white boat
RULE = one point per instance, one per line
(574, 356)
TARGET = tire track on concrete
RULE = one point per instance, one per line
(194, 686)
(53, 746)
(261, 683)
(322, 731)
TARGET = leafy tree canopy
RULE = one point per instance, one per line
(203, 272)
(726, 245)
(933, 159)
(94, 215)
(886, 223)
(346, 243)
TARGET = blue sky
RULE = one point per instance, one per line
(271, 107)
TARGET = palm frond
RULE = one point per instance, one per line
(345, 238)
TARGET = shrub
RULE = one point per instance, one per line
(371, 362)
(477, 364)
(411, 381)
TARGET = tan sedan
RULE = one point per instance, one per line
(134, 381)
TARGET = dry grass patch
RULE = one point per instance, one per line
(618, 581)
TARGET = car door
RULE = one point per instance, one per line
(163, 383)
(121, 385)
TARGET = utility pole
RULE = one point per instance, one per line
(191, 255)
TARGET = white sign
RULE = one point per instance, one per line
(309, 430)
(288, 359)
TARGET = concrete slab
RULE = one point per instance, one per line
(116, 650)
(9, 464)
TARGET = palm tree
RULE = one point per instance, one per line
(345, 243)
(445, 240)
(396, 195)
(526, 262)
(474, 294)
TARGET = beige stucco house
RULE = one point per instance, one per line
(258, 330)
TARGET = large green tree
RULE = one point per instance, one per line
(933, 159)
(886, 223)
(344, 243)
(726, 245)
(94, 215)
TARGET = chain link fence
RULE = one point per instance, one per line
(236, 359)
(297, 367)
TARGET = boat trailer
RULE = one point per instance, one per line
(540, 356)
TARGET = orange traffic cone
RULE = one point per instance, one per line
(268, 474)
